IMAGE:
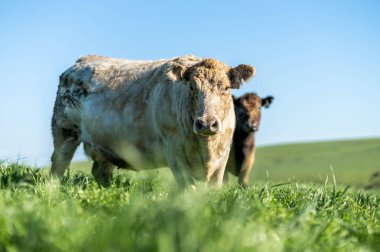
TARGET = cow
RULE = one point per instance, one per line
(248, 115)
(139, 115)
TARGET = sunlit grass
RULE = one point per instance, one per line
(145, 212)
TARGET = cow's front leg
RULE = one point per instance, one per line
(181, 175)
(182, 178)
(226, 178)
(218, 176)
(179, 163)
(246, 168)
(102, 171)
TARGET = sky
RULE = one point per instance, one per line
(319, 59)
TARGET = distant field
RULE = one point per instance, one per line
(353, 162)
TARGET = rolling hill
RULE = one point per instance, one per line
(353, 161)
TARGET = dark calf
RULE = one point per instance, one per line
(242, 155)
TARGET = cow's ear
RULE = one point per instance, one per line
(177, 72)
(240, 74)
(267, 101)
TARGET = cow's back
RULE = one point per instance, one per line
(124, 107)
(98, 71)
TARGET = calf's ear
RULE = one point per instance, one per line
(240, 74)
(267, 101)
(177, 72)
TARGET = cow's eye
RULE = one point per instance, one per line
(191, 88)
(226, 90)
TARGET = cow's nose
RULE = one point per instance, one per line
(206, 127)
(251, 127)
(255, 127)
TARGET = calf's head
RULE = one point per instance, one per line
(208, 85)
(248, 111)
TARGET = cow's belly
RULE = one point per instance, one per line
(125, 152)
(124, 138)
(141, 157)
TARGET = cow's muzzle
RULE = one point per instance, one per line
(251, 127)
(207, 127)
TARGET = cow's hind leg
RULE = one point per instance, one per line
(102, 171)
(66, 142)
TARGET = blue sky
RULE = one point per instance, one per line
(320, 59)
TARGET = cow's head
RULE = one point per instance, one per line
(248, 111)
(209, 83)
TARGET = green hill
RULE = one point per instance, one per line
(353, 162)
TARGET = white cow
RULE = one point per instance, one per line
(147, 114)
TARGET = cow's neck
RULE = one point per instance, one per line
(243, 144)
(246, 138)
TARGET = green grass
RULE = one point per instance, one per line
(145, 212)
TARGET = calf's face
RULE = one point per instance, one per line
(209, 83)
(248, 111)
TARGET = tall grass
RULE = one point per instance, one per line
(145, 213)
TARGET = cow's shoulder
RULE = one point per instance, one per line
(91, 58)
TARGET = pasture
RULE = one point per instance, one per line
(162, 84)
(353, 162)
(146, 212)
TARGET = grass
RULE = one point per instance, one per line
(353, 162)
(145, 212)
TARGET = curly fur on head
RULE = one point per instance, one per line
(209, 68)
(212, 64)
